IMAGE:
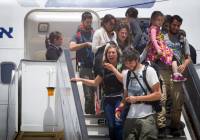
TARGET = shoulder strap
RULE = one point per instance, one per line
(144, 79)
(144, 73)
(128, 79)
(140, 83)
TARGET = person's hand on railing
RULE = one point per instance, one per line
(76, 79)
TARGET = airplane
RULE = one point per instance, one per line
(25, 74)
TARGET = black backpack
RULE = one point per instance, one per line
(98, 57)
(144, 39)
(155, 104)
(142, 43)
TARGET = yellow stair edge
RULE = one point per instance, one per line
(40, 135)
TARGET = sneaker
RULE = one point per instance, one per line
(178, 78)
(181, 78)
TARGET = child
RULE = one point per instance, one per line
(53, 45)
(158, 50)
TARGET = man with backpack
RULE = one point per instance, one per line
(139, 37)
(140, 122)
(82, 44)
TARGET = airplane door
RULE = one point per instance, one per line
(39, 23)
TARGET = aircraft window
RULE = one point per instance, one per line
(6, 71)
(43, 27)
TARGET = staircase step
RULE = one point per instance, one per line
(94, 116)
(99, 137)
(93, 119)
(96, 121)
(97, 130)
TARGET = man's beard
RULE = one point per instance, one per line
(88, 28)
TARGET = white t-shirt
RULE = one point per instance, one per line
(134, 89)
(100, 38)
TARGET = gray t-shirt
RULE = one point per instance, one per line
(134, 89)
(179, 49)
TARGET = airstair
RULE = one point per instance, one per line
(34, 114)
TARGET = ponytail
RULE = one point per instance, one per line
(47, 42)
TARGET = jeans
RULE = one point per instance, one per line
(115, 126)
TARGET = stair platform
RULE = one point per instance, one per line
(40, 136)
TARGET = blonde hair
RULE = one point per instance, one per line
(107, 47)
